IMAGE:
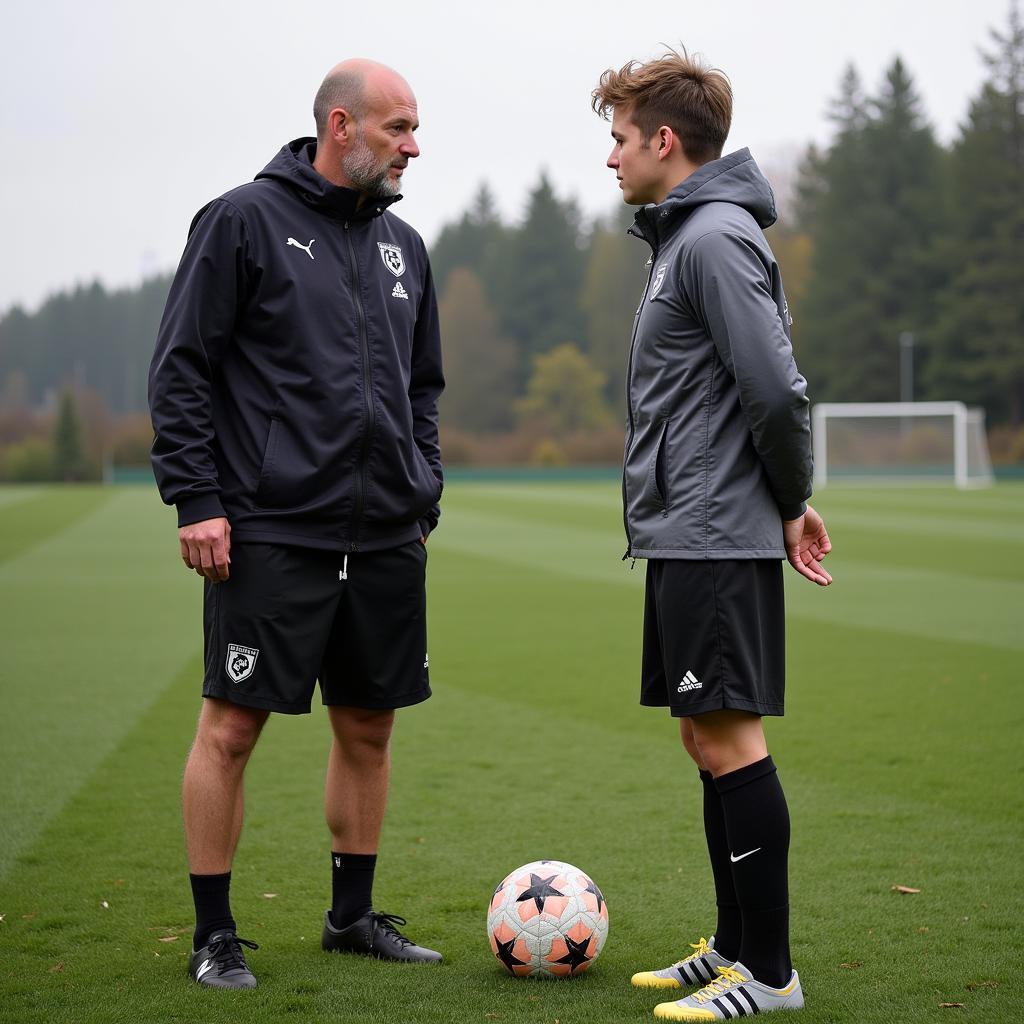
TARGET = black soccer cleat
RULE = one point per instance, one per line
(221, 962)
(376, 935)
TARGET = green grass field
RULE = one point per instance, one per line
(900, 754)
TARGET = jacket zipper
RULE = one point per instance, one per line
(368, 417)
(629, 400)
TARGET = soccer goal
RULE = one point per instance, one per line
(900, 442)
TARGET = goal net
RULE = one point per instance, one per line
(900, 442)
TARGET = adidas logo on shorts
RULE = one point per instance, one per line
(688, 682)
(398, 292)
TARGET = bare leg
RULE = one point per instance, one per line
(211, 795)
(358, 772)
(727, 740)
(686, 734)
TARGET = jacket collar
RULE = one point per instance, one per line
(293, 167)
(734, 178)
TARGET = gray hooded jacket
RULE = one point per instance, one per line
(718, 448)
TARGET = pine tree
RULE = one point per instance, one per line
(470, 242)
(829, 187)
(979, 339)
(540, 306)
(68, 456)
(874, 207)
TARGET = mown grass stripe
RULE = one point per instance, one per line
(914, 602)
(1005, 499)
(581, 550)
(11, 494)
(911, 601)
(588, 495)
(90, 634)
(31, 518)
(946, 525)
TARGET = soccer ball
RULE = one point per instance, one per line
(547, 919)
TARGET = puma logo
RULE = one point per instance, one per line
(304, 248)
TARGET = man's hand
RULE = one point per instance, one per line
(206, 547)
(807, 544)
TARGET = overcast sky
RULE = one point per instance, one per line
(121, 119)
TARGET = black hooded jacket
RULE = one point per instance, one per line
(297, 370)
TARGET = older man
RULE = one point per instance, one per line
(294, 396)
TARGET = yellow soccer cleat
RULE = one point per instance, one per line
(700, 967)
(734, 993)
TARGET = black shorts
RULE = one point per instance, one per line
(714, 637)
(286, 618)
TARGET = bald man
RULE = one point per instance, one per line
(294, 396)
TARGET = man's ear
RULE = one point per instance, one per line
(666, 142)
(340, 124)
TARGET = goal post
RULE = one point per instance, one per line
(900, 442)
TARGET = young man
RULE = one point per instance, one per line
(717, 470)
(294, 397)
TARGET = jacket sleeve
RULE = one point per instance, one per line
(731, 288)
(426, 382)
(196, 327)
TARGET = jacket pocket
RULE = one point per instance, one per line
(292, 477)
(428, 474)
(263, 481)
(657, 483)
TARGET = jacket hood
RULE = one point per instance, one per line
(735, 178)
(293, 166)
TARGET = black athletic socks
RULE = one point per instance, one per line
(213, 907)
(728, 929)
(757, 824)
(351, 887)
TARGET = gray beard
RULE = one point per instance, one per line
(367, 173)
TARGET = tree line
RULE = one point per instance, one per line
(908, 237)
(886, 233)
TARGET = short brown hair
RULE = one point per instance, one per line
(690, 97)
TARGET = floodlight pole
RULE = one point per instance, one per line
(906, 366)
(906, 375)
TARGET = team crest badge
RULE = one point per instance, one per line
(392, 257)
(240, 662)
(659, 280)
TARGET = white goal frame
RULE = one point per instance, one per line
(964, 420)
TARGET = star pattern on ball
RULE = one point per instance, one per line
(506, 956)
(591, 888)
(577, 955)
(540, 889)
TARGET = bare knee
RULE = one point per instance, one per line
(228, 732)
(363, 734)
(714, 758)
(728, 740)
